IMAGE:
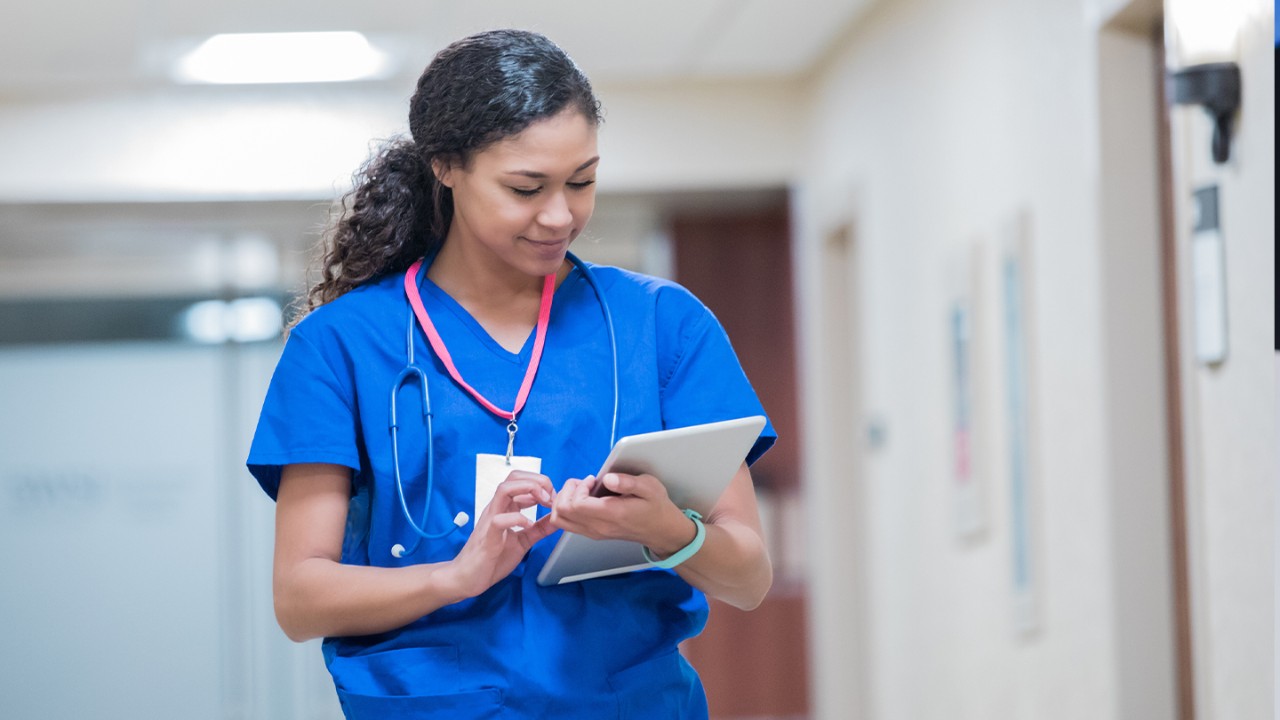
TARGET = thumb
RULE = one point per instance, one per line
(642, 486)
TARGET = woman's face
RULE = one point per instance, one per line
(524, 199)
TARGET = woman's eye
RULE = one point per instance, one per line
(530, 192)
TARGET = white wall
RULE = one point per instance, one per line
(106, 489)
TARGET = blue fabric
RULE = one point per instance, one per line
(601, 648)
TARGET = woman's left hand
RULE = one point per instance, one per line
(640, 511)
(732, 565)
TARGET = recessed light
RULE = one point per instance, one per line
(295, 57)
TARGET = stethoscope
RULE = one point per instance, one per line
(412, 371)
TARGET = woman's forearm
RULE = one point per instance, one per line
(318, 597)
(732, 565)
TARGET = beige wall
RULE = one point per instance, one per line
(936, 127)
(932, 130)
(1229, 427)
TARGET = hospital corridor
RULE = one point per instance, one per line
(999, 272)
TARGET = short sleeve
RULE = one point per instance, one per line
(307, 417)
(701, 378)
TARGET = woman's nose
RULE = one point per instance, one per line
(555, 213)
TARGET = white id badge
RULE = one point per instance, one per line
(491, 470)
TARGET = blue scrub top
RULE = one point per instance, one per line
(601, 648)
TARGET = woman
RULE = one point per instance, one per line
(452, 257)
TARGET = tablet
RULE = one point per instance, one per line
(695, 464)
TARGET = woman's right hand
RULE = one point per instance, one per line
(503, 534)
(317, 595)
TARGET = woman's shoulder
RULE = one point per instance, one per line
(667, 297)
(362, 304)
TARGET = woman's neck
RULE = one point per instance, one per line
(476, 276)
(502, 299)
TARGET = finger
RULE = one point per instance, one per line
(528, 477)
(525, 500)
(561, 522)
(541, 480)
(599, 489)
(539, 494)
(511, 521)
(566, 490)
(536, 531)
(571, 489)
(641, 486)
(577, 511)
(510, 488)
(504, 502)
(574, 495)
(563, 499)
(615, 483)
(581, 490)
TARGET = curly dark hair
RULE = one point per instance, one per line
(475, 92)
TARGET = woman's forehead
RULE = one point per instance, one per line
(565, 142)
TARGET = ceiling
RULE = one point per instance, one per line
(119, 51)
(96, 46)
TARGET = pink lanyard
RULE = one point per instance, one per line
(437, 344)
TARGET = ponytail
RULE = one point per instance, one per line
(396, 213)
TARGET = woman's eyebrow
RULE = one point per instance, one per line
(541, 175)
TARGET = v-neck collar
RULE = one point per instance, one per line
(447, 301)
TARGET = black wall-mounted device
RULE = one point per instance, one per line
(1216, 86)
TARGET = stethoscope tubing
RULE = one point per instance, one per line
(412, 370)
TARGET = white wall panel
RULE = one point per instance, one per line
(110, 511)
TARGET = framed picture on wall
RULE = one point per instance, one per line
(1017, 319)
(962, 307)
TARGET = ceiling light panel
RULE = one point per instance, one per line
(302, 57)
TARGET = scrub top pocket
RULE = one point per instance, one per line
(475, 705)
(665, 687)
(423, 682)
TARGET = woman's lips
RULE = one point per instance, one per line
(549, 247)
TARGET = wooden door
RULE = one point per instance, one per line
(754, 664)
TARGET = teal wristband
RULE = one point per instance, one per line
(685, 552)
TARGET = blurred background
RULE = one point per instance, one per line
(1000, 288)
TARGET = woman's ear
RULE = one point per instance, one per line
(443, 170)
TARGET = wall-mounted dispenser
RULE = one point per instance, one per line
(1216, 86)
